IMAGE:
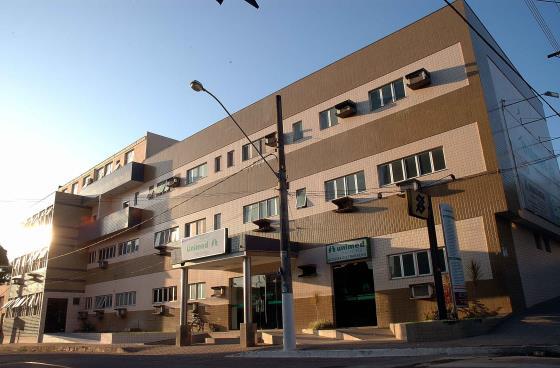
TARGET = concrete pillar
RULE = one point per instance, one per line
(183, 336)
(247, 307)
(247, 330)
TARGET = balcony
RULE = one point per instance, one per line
(119, 181)
(110, 224)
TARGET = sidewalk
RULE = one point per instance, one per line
(536, 332)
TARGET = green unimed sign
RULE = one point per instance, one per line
(205, 245)
(348, 250)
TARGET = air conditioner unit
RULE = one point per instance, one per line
(308, 270)
(174, 182)
(121, 312)
(103, 264)
(422, 291)
(264, 226)
(346, 109)
(218, 291)
(418, 79)
(271, 140)
(344, 205)
(159, 309)
(18, 280)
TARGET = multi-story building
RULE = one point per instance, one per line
(51, 280)
(431, 102)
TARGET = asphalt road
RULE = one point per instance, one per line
(219, 361)
(190, 361)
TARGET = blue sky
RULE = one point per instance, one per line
(81, 79)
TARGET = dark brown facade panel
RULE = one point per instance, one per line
(395, 306)
(312, 309)
(20, 329)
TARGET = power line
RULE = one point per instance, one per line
(542, 24)
(156, 215)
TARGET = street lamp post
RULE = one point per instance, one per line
(285, 264)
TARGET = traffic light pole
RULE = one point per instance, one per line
(436, 267)
(288, 324)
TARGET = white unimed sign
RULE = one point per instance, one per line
(458, 285)
(348, 250)
(201, 246)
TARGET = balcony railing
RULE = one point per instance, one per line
(120, 180)
(122, 219)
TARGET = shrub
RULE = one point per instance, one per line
(321, 324)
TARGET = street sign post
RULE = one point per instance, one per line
(420, 206)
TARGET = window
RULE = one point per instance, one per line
(75, 188)
(328, 118)
(98, 173)
(412, 166)
(195, 228)
(297, 129)
(301, 198)
(88, 303)
(197, 291)
(125, 299)
(386, 95)
(127, 247)
(259, 210)
(92, 256)
(108, 168)
(164, 294)
(126, 204)
(197, 173)
(107, 252)
(128, 157)
(345, 186)
(136, 195)
(217, 221)
(103, 301)
(230, 156)
(414, 263)
(164, 237)
(87, 181)
(248, 151)
(218, 164)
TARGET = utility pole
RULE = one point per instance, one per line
(285, 266)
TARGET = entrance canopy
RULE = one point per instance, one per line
(261, 250)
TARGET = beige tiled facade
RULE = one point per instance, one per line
(452, 113)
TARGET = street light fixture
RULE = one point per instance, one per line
(547, 93)
(288, 324)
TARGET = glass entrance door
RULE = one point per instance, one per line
(266, 301)
(354, 294)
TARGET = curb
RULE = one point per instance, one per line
(549, 350)
(72, 348)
